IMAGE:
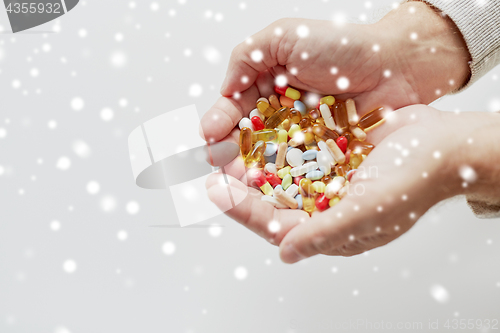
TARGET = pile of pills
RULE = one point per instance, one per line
(303, 156)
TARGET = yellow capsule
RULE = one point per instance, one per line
(267, 189)
(275, 102)
(372, 119)
(319, 187)
(308, 204)
(355, 160)
(293, 130)
(328, 100)
(324, 132)
(255, 156)
(309, 139)
(320, 120)
(284, 171)
(305, 187)
(282, 136)
(264, 135)
(278, 117)
(265, 108)
(245, 141)
(295, 116)
(333, 201)
(286, 124)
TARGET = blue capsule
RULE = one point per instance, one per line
(271, 149)
(315, 175)
(301, 107)
(309, 154)
(298, 197)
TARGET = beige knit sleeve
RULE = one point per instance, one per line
(479, 23)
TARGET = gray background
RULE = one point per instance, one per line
(131, 285)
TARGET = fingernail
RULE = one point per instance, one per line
(290, 254)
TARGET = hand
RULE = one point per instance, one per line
(422, 156)
(409, 82)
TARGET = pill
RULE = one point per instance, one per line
(285, 125)
(255, 154)
(309, 139)
(298, 197)
(303, 169)
(267, 189)
(319, 187)
(334, 187)
(256, 177)
(294, 157)
(245, 141)
(294, 129)
(315, 175)
(295, 115)
(309, 155)
(257, 123)
(326, 179)
(292, 190)
(305, 188)
(287, 181)
(271, 168)
(342, 170)
(326, 113)
(264, 107)
(340, 116)
(355, 160)
(361, 147)
(301, 107)
(342, 143)
(372, 119)
(283, 136)
(288, 92)
(358, 133)
(284, 171)
(274, 101)
(282, 152)
(256, 113)
(285, 199)
(271, 149)
(285, 101)
(314, 114)
(245, 122)
(277, 117)
(296, 180)
(328, 100)
(264, 135)
(344, 191)
(350, 174)
(324, 132)
(269, 159)
(277, 186)
(273, 179)
(325, 161)
(352, 113)
(273, 201)
(337, 154)
(309, 204)
(322, 202)
(335, 200)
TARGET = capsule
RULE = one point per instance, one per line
(334, 149)
(324, 132)
(348, 136)
(326, 113)
(322, 203)
(278, 117)
(328, 100)
(295, 116)
(321, 121)
(265, 108)
(352, 113)
(309, 139)
(275, 102)
(255, 156)
(308, 204)
(372, 118)
(285, 101)
(340, 116)
(282, 136)
(305, 123)
(264, 135)
(326, 179)
(285, 198)
(286, 124)
(361, 147)
(257, 123)
(342, 170)
(305, 188)
(245, 141)
(288, 92)
(314, 114)
(355, 160)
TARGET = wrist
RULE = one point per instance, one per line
(428, 49)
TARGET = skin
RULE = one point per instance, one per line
(388, 201)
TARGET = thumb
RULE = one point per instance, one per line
(257, 54)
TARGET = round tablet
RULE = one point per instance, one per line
(294, 157)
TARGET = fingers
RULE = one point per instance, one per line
(226, 113)
(255, 55)
(258, 216)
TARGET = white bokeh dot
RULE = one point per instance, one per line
(63, 163)
(168, 248)
(240, 273)
(303, 31)
(257, 55)
(52, 124)
(122, 235)
(281, 80)
(195, 90)
(118, 59)
(93, 187)
(108, 203)
(107, 114)
(55, 225)
(133, 207)
(69, 266)
(215, 230)
(274, 226)
(81, 149)
(439, 293)
(77, 103)
(343, 83)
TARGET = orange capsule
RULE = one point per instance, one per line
(275, 103)
(295, 116)
(320, 120)
(285, 101)
(324, 132)
(340, 116)
(326, 179)
(245, 141)
(314, 114)
(278, 117)
(342, 170)
(305, 188)
(305, 122)
(372, 119)
(254, 158)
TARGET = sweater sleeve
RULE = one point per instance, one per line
(479, 23)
